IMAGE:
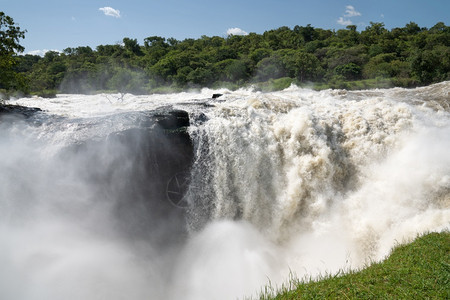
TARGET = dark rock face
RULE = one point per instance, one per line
(135, 169)
(18, 110)
(172, 119)
(131, 162)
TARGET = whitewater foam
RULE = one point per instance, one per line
(291, 181)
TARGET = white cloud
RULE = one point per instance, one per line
(344, 22)
(109, 11)
(41, 52)
(351, 12)
(236, 31)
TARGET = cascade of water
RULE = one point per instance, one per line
(310, 182)
(295, 180)
(289, 165)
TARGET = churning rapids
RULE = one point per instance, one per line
(292, 181)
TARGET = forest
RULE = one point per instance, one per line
(319, 58)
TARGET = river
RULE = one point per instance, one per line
(296, 182)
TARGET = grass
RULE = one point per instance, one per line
(273, 84)
(364, 84)
(46, 93)
(284, 82)
(419, 270)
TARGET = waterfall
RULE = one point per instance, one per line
(295, 181)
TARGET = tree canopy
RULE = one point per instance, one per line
(10, 35)
(407, 56)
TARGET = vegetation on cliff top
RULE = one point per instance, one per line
(346, 58)
(10, 35)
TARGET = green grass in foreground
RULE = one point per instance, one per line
(419, 270)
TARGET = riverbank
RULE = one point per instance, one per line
(270, 85)
(418, 270)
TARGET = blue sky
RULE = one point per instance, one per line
(58, 24)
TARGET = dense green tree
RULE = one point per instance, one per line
(201, 76)
(380, 66)
(432, 65)
(255, 57)
(345, 61)
(373, 33)
(350, 71)
(307, 33)
(412, 28)
(233, 70)
(10, 35)
(406, 56)
(349, 37)
(132, 47)
(271, 67)
(301, 65)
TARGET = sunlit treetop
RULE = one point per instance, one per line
(10, 35)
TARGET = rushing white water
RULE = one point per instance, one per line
(291, 181)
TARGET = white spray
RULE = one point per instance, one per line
(292, 181)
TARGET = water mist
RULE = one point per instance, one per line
(295, 181)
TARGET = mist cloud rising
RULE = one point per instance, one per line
(81, 216)
(109, 11)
